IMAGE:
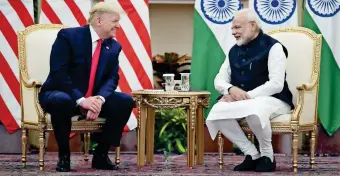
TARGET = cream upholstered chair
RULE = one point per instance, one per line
(35, 43)
(303, 65)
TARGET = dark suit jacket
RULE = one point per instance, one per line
(70, 64)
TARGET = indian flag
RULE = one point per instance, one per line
(323, 17)
(212, 41)
(275, 13)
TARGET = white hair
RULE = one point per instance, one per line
(251, 15)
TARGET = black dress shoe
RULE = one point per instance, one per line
(247, 165)
(266, 165)
(103, 162)
(63, 164)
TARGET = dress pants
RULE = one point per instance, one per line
(116, 109)
(231, 129)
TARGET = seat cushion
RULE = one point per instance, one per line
(285, 119)
(75, 119)
(282, 119)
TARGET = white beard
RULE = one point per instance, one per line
(243, 40)
(240, 42)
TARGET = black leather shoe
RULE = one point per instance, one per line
(247, 165)
(266, 165)
(103, 162)
(63, 164)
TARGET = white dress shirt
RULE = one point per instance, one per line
(276, 69)
(94, 39)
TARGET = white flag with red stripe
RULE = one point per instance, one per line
(67, 12)
(135, 71)
(15, 15)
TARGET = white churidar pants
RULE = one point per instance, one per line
(224, 117)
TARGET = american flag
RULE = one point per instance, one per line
(67, 12)
(135, 59)
(15, 15)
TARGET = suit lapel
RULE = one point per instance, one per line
(88, 48)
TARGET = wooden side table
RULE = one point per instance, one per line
(149, 100)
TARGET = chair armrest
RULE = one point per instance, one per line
(306, 86)
(32, 83)
(300, 100)
(37, 85)
(297, 112)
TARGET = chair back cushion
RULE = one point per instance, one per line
(303, 65)
(35, 44)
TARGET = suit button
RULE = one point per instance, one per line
(243, 60)
(242, 72)
(242, 85)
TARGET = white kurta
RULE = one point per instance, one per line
(261, 104)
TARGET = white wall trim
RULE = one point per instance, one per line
(172, 1)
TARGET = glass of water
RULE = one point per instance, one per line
(185, 83)
(169, 81)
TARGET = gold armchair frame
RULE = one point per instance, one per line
(27, 82)
(294, 127)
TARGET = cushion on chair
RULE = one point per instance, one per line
(75, 119)
(282, 119)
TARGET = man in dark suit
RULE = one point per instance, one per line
(82, 80)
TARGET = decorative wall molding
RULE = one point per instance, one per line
(172, 1)
(178, 1)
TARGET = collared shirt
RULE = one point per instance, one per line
(94, 39)
(276, 68)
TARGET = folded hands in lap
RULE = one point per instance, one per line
(235, 94)
(93, 105)
(238, 94)
(92, 115)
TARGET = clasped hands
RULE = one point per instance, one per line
(94, 105)
(235, 94)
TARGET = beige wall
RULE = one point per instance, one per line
(171, 28)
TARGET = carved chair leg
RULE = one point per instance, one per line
(312, 148)
(86, 146)
(41, 148)
(220, 150)
(295, 150)
(117, 156)
(24, 147)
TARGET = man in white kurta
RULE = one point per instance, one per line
(256, 105)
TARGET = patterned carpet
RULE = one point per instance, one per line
(175, 165)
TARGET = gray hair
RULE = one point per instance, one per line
(251, 15)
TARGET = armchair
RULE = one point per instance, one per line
(35, 43)
(303, 66)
